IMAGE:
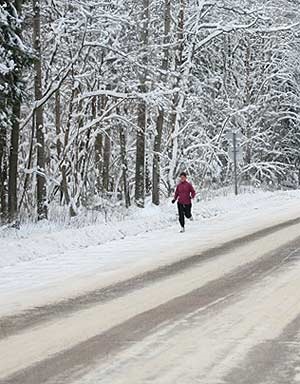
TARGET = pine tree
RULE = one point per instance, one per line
(15, 56)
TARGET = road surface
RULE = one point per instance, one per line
(229, 315)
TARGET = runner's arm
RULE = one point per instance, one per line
(176, 194)
(193, 192)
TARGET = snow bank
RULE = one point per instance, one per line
(42, 240)
(46, 262)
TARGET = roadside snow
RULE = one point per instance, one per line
(44, 240)
(19, 351)
(47, 265)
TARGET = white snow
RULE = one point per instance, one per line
(30, 345)
(47, 264)
(205, 348)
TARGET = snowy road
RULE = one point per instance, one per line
(228, 315)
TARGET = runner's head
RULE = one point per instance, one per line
(182, 177)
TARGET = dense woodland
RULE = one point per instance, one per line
(104, 102)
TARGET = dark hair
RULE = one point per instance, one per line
(183, 174)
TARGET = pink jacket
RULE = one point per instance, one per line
(184, 192)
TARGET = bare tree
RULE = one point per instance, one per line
(142, 111)
(39, 118)
(161, 113)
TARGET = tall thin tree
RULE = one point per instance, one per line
(42, 209)
(161, 113)
(142, 111)
(15, 129)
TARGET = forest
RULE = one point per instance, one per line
(105, 102)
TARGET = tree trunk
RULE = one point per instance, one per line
(182, 70)
(3, 175)
(106, 161)
(9, 156)
(156, 159)
(161, 114)
(13, 162)
(247, 131)
(148, 184)
(142, 111)
(63, 185)
(58, 124)
(14, 141)
(124, 167)
(140, 157)
(99, 161)
(98, 107)
(41, 178)
(64, 167)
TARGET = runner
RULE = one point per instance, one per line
(183, 195)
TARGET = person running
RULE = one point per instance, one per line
(183, 195)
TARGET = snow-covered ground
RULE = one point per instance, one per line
(205, 349)
(209, 322)
(202, 324)
(43, 263)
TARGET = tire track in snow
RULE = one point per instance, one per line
(15, 323)
(273, 361)
(60, 367)
(202, 348)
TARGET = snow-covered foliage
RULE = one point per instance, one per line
(135, 91)
(14, 55)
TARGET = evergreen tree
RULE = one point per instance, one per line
(14, 56)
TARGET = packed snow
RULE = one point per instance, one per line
(205, 348)
(40, 263)
(227, 336)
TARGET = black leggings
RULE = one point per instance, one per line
(184, 210)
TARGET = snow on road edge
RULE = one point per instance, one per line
(45, 241)
(46, 267)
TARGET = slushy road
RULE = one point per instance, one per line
(228, 315)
